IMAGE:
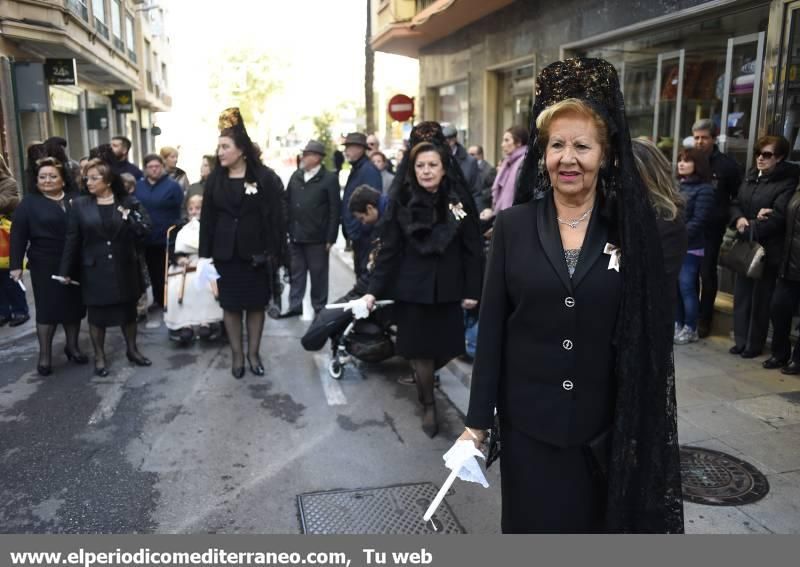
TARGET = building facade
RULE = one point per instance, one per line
(85, 70)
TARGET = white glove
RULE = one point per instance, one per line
(359, 308)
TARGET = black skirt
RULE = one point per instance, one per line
(55, 303)
(242, 287)
(429, 332)
(548, 489)
(112, 315)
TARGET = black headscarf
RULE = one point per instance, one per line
(644, 491)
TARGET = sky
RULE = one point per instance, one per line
(320, 44)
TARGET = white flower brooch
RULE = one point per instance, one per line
(250, 188)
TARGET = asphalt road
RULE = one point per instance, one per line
(182, 447)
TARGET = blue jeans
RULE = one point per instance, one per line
(12, 298)
(688, 304)
(471, 330)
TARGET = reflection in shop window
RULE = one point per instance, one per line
(454, 108)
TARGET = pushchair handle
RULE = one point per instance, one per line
(379, 303)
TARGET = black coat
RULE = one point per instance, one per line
(244, 224)
(726, 179)
(674, 244)
(313, 207)
(545, 356)
(401, 272)
(771, 191)
(107, 260)
(790, 262)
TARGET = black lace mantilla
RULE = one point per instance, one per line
(644, 493)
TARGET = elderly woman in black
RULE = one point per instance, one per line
(102, 232)
(243, 230)
(429, 262)
(575, 348)
(38, 231)
(760, 209)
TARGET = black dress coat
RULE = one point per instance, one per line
(38, 230)
(545, 359)
(106, 258)
(790, 262)
(237, 227)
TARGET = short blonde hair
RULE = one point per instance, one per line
(167, 151)
(571, 106)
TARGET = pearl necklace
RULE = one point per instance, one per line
(573, 224)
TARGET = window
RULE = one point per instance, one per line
(130, 37)
(454, 108)
(99, 12)
(164, 75)
(116, 24)
(148, 66)
(79, 7)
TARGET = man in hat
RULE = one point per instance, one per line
(313, 203)
(362, 172)
(467, 163)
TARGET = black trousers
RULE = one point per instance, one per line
(360, 255)
(709, 281)
(751, 307)
(155, 257)
(309, 259)
(784, 305)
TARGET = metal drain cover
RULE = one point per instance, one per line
(716, 479)
(388, 510)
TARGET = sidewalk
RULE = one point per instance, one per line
(727, 404)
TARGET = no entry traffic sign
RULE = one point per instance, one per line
(401, 107)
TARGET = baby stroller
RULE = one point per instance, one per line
(368, 340)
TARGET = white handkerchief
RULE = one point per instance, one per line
(359, 308)
(462, 458)
(206, 273)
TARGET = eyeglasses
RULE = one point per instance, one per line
(765, 155)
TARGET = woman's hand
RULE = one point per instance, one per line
(477, 436)
(65, 281)
(469, 303)
(183, 261)
(742, 224)
(486, 214)
(369, 299)
(764, 214)
(16, 275)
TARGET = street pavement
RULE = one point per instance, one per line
(182, 447)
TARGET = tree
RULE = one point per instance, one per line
(369, 73)
(322, 134)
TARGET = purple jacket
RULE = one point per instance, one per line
(505, 183)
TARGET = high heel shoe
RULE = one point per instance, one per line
(238, 372)
(430, 424)
(77, 357)
(138, 359)
(258, 369)
(100, 371)
(43, 370)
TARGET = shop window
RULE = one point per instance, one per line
(515, 98)
(454, 108)
(788, 120)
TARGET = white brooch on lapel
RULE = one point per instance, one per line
(125, 212)
(615, 253)
(250, 188)
(458, 211)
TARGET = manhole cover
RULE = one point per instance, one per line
(716, 479)
(389, 510)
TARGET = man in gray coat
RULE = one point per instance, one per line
(467, 163)
(313, 204)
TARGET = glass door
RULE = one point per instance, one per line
(638, 80)
(669, 102)
(787, 119)
(741, 98)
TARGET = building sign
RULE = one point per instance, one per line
(61, 71)
(31, 87)
(122, 101)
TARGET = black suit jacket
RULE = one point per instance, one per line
(545, 356)
(238, 225)
(401, 272)
(107, 258)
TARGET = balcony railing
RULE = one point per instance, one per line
(422, 4)
(132, 55)
(149, 78)
(119, 44)
(78, 7)
(101, 28)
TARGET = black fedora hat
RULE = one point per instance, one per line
(356, 139)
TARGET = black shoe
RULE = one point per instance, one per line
(138, 359)
(77, 357)
(44, 370)
(100, 371)
(258, 369)
(238, 372)
(16, 321)
(747, 353)
(771, 363)
(291, 313)
(792, 368)
(703, 329)
(203, 332)
(4, 320)
(736, 349)
(429, 422)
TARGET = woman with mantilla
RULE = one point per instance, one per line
(575, 348)
(244, 231)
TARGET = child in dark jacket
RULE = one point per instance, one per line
(694, 174)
